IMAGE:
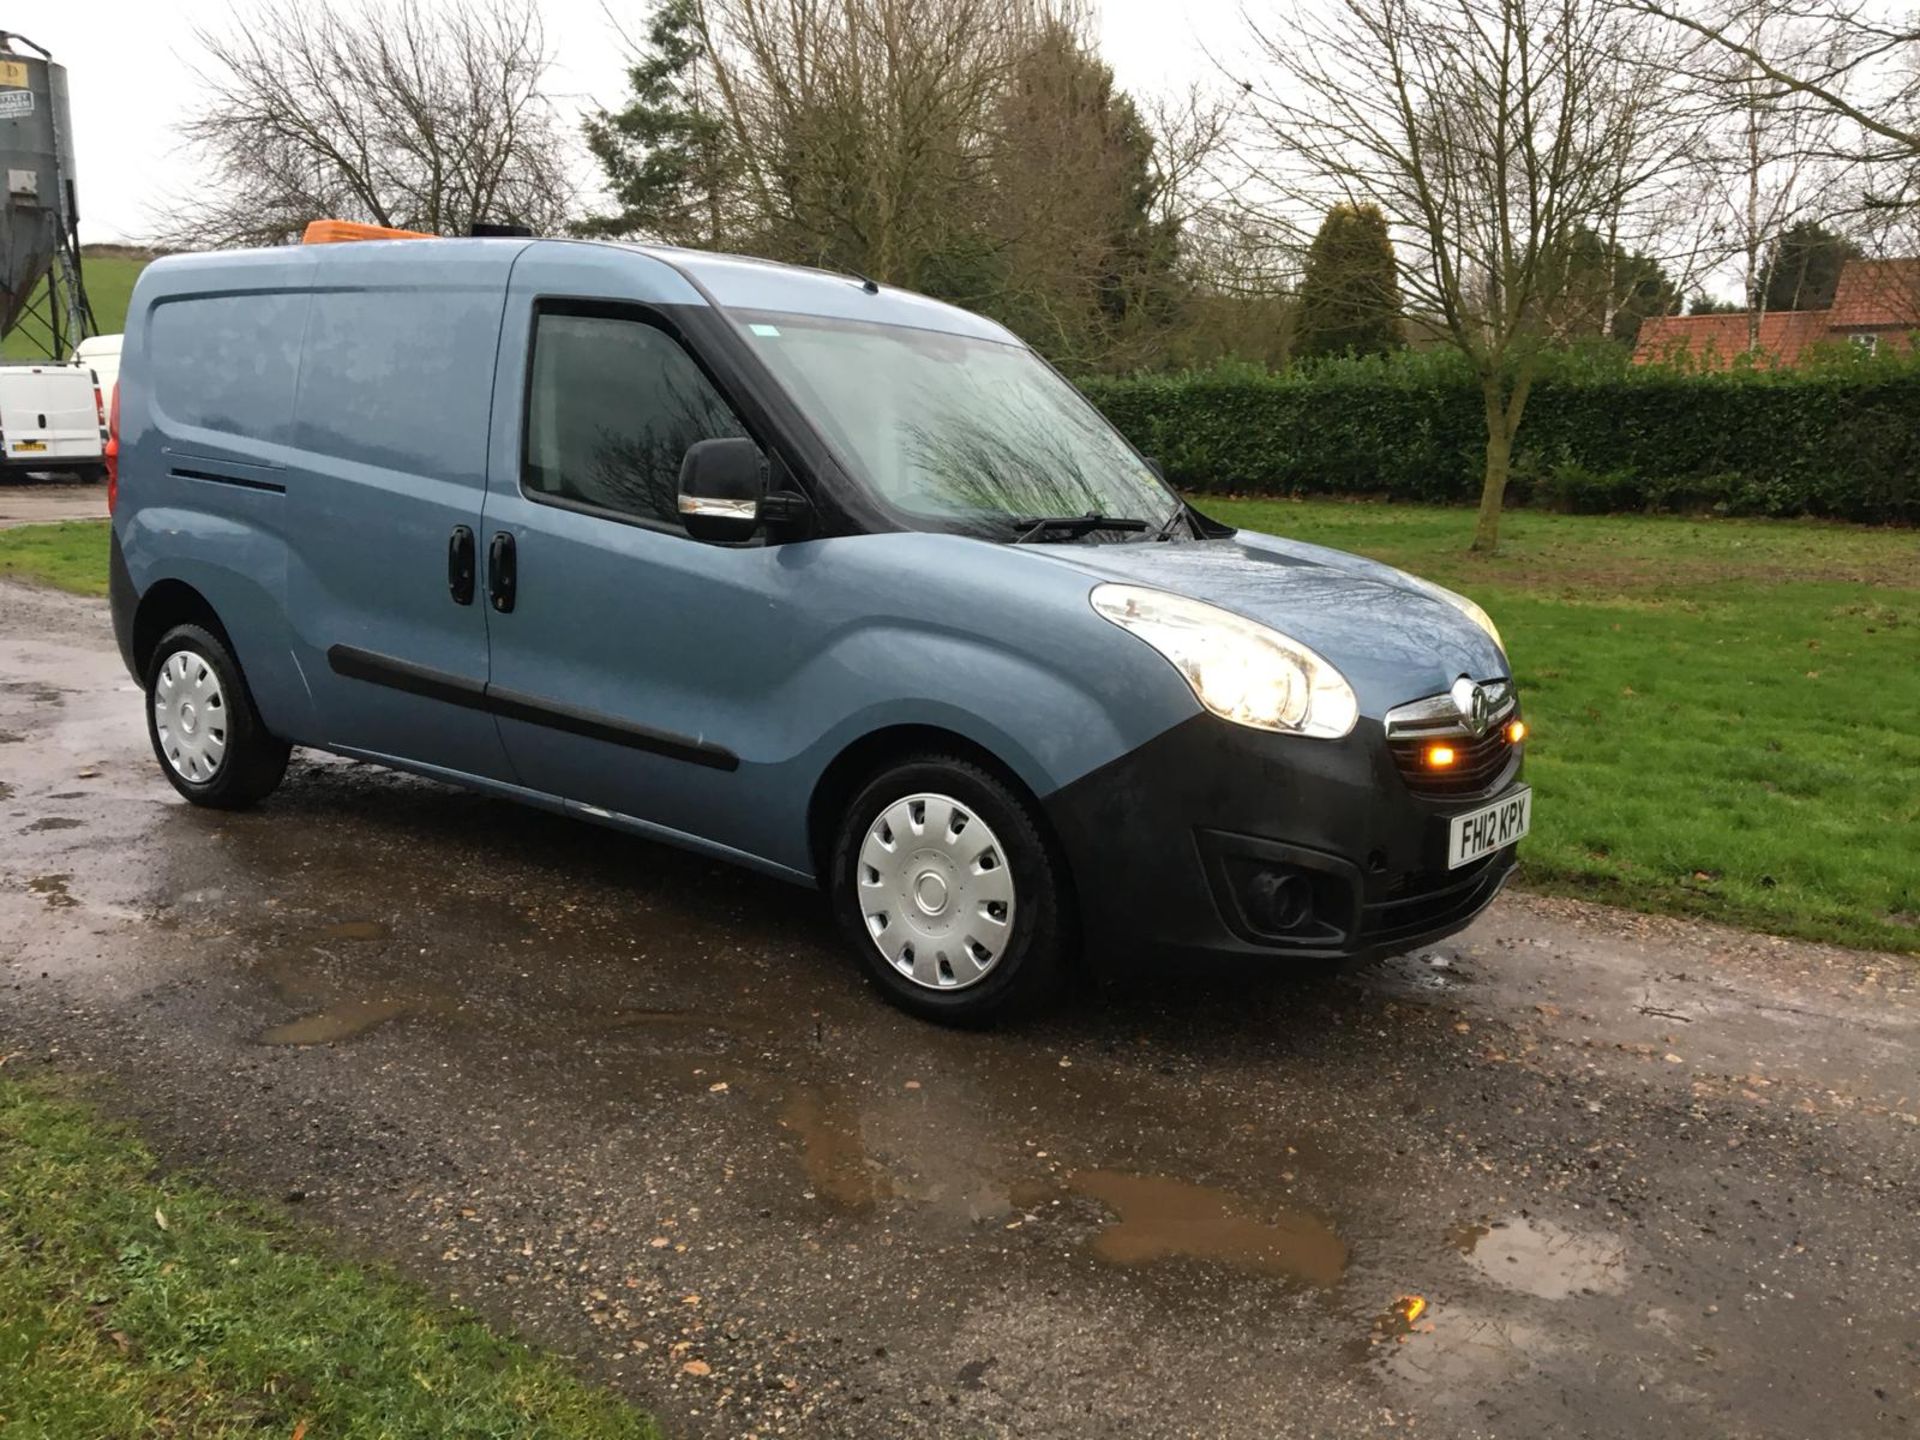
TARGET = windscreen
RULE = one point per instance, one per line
(955, 430)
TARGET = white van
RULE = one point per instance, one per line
(100, 354)
(53, 418)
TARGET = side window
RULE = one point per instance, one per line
(612, 406)
(229, 362)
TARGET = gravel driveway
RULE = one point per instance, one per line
(27, 501)
(1648, 1178)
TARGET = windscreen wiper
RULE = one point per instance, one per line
(1034, 526)
(1173, 523)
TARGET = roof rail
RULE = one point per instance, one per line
(339, 232)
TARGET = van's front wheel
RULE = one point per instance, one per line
(205, 730)
(945, 885)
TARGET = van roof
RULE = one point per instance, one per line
(731, 282)
(741, 282)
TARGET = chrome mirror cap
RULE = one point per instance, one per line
(718, 509)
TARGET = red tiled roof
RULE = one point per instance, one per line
(1872, 295)
(1876, 294)
(1784, 335)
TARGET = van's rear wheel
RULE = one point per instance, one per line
(945, 885)
(205, 730)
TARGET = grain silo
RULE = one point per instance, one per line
(39, 239)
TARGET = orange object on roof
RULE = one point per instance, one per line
(338, 232)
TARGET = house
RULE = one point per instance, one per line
(1875, 304)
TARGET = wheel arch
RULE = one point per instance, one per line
(864, 757)
(168, 603)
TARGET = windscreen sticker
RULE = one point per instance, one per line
(772, 330)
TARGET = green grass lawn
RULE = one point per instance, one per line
(1723, 710)
(134, 1304)
(109, 286)
(69, 556)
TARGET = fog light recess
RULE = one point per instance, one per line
(1280, 901)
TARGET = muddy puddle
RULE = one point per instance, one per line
(52, 889)
(1159, 1218)
(345, 1021)
(833, 1154)
(857, 1155)
(1538, 1257)
(891, 1148)
(334, 1011)
(357, 930)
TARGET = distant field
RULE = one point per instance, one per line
(109, 286)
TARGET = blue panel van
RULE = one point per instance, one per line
(799, 571)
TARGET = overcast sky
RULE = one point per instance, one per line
(130, 68)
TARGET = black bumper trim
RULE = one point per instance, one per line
(1164, 841)
(471, 694)
(123, 603)
(1435, 901)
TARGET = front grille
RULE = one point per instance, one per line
(1480, 765)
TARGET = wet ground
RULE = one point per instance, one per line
(33, 500)
(1574, 1173)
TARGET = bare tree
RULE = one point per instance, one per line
(861, 125)
(1190, 130)
(1663, 211)
(1862, 68)
(397, 112)
(1855, 65)
(1083, 225)
(975, 149)
(1769, 156)
(1491, 133)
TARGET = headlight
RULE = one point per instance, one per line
(1239, 670)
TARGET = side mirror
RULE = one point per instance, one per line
(722, 484)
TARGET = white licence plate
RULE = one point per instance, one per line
(1490, 828)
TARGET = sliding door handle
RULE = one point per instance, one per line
(460, 558)
(501, 565)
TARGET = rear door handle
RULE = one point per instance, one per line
(500, 571)
(460, 558)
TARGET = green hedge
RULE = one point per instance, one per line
(1840, 439)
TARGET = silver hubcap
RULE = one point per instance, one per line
(190, 714)
(936, 892)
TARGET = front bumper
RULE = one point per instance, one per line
(1175, 848)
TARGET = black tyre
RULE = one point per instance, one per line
(945, 885)
(205, 730)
